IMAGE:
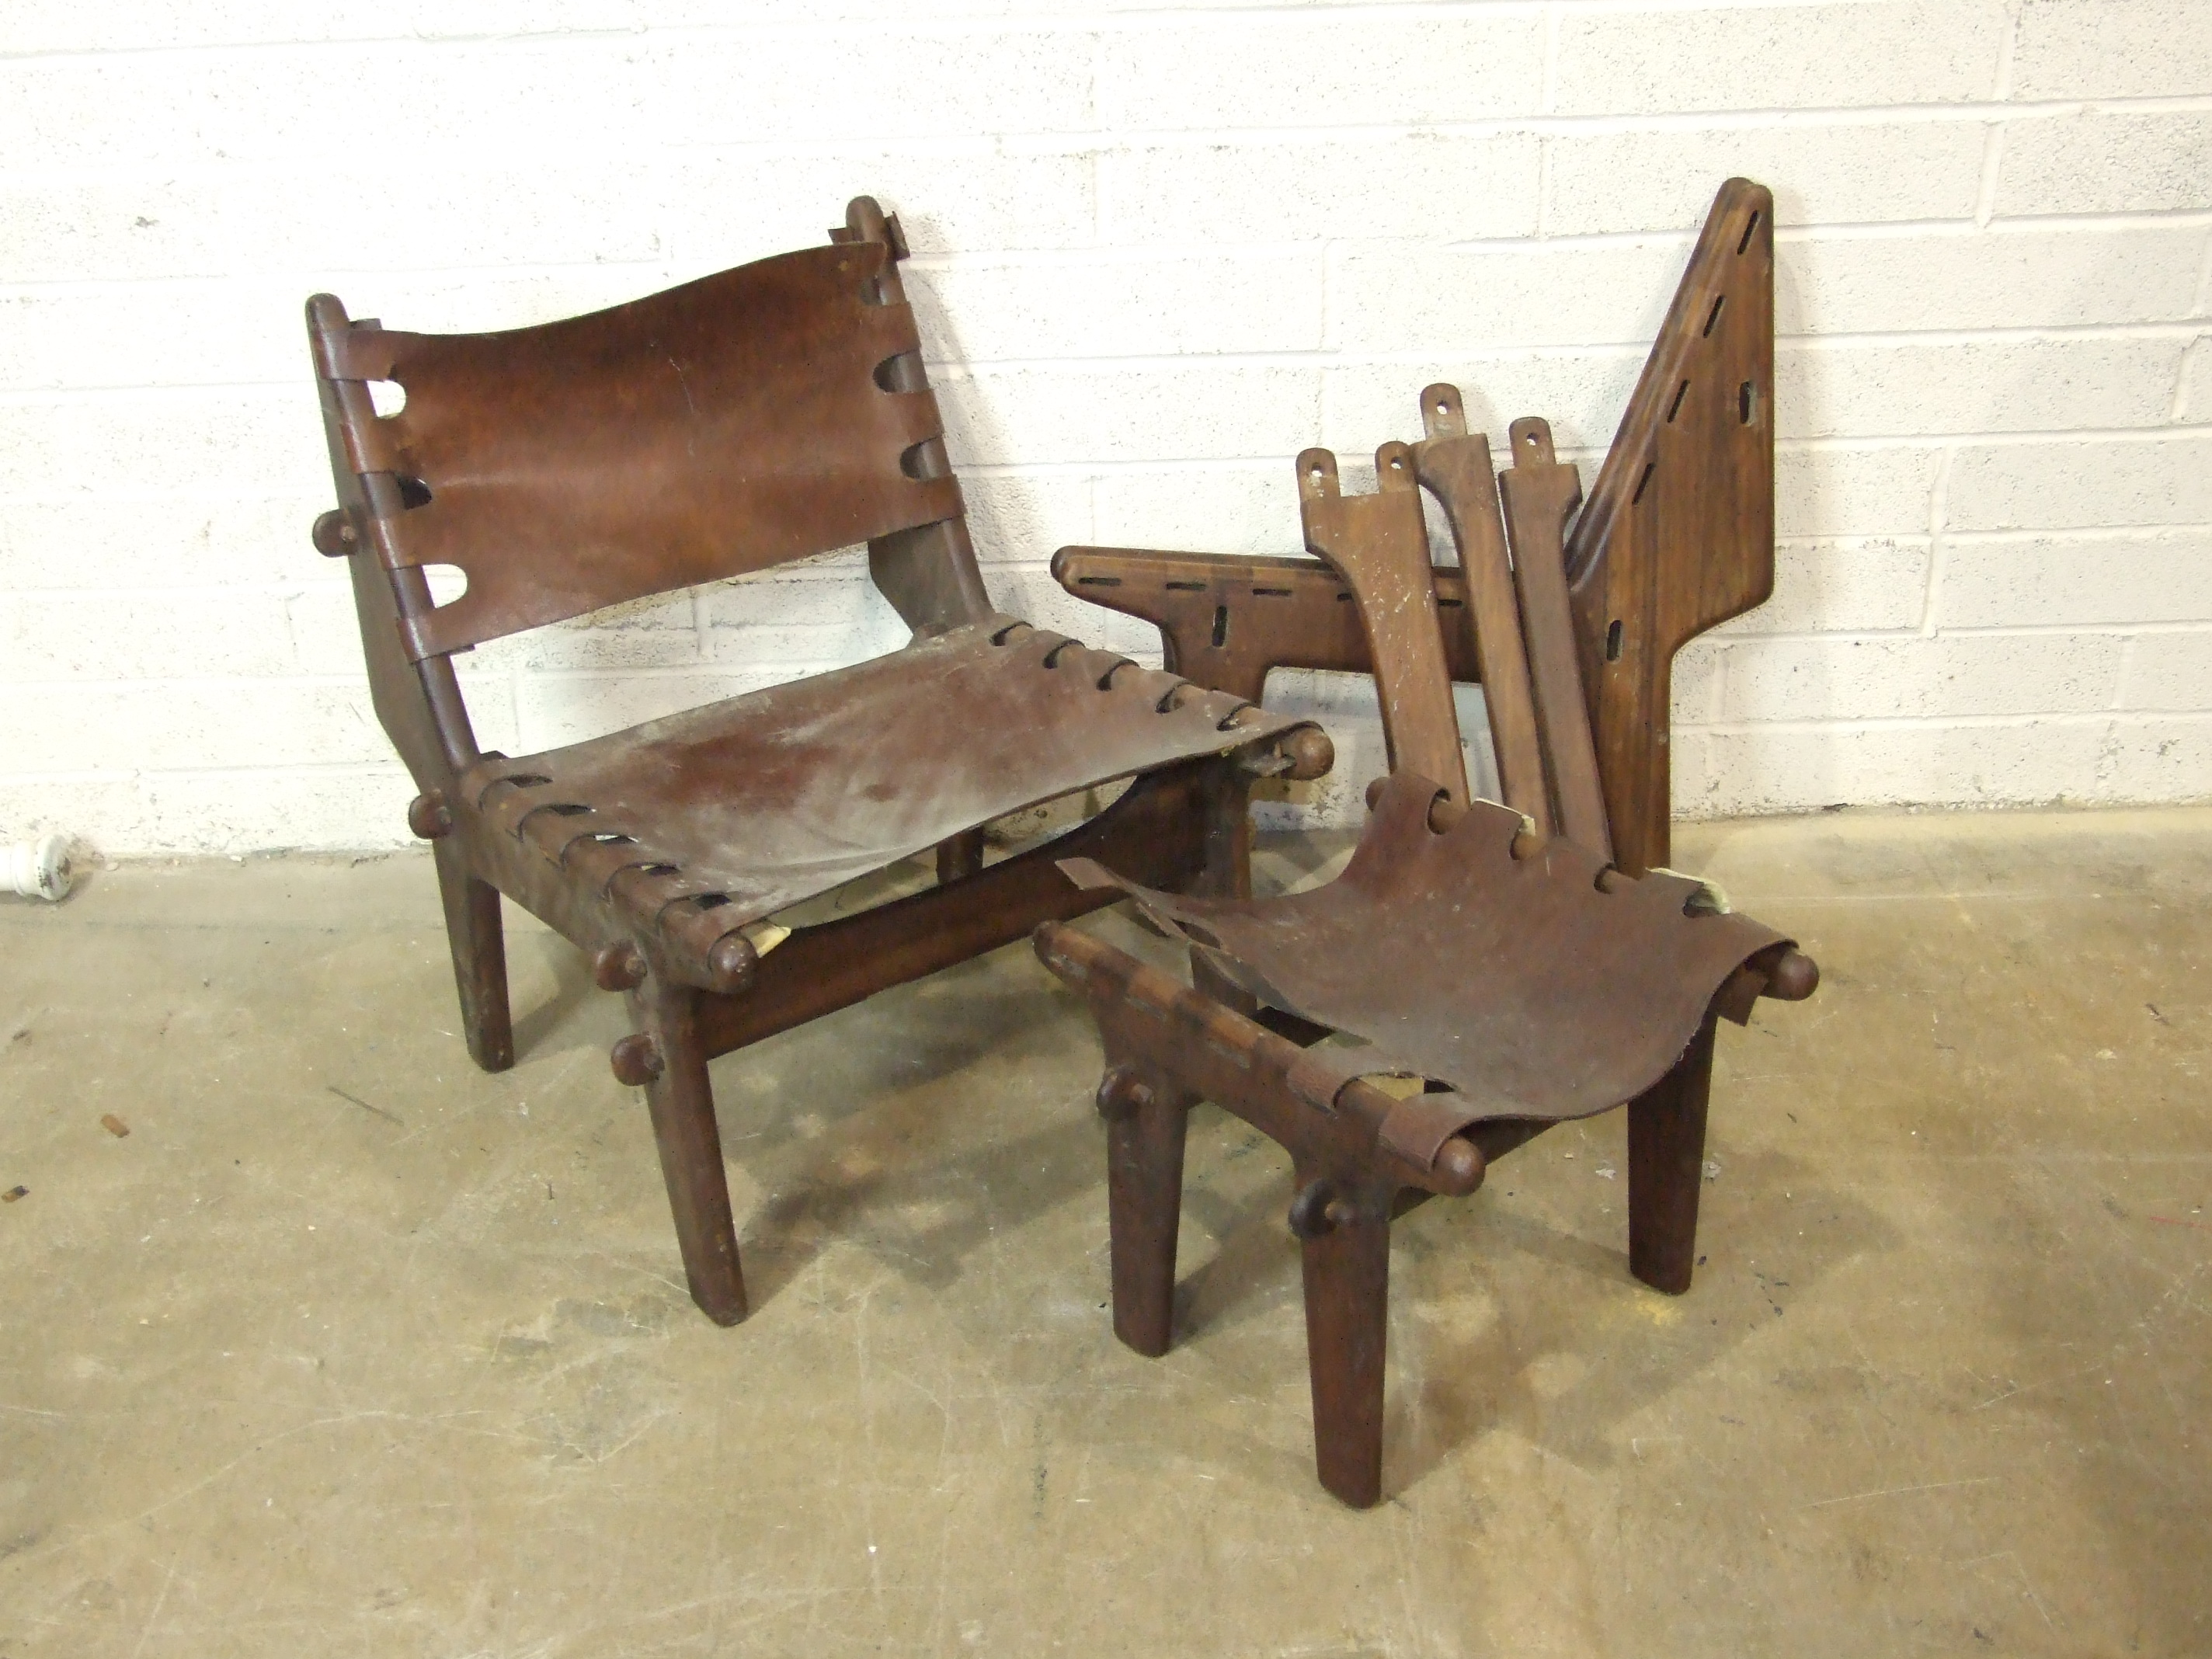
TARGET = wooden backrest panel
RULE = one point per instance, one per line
(1379, 546)
(1678, 534)
(736, 423)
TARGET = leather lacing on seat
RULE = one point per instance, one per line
(616, 862)
(1170, 696)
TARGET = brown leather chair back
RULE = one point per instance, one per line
(766, 414)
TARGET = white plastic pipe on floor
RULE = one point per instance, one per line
(38, 869)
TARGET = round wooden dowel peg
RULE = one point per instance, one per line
(334, 535)
(636, 1060)
(1794, 978)
(428, 816)
(1313, 1211)
(1122, 1094)
(730, 962)
(1444, 812)
(618, 967)
(1310, 754)
(1460, 1167)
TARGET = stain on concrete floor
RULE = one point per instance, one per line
(348, 1348)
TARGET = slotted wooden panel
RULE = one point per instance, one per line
(1678, 534)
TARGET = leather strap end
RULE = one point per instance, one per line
(1417, 1128)
(1088, 873)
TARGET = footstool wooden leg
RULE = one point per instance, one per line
(1666, 1168)
(1145, 1130)
(1346, 1249)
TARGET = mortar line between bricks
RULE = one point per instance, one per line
(1543, 189)
(695, 597)
(981, 23)
(953, 370)
(1841, 724)
(1877, 339)
(1272, 457)
(2174, 421)
(1986, 197)
(1992, 631)
(663, 270)
(1939, 490)
(1600, 123)
(125, 775)
(1550, 102)
(2118, 436)
(855, 574)
(736, 667)
(1998, 537)
(862, 147)
(2178, 411)
(1608, 123)
(1798, 540)
(2034, 223)
(93, 774)
(2183, 328)
(2121, 437)
(2001, 85)
(290, 679)
(2084, 718)
(2123, 678)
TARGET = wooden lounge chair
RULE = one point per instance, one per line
(767, 414)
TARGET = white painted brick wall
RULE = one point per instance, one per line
(1158, 251)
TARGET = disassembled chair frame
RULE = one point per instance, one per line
(1677, 537)
(769, 413)
(1550, 985)
(1554, 982)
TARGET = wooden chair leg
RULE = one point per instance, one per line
(1227, 806)
(1225, 873)
(1145, 1133)
(472, 931)
(1348, 1286)
(1666, 1168)
(681, 1102)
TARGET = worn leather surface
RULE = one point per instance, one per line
(715, 429)
(786, 793)
(1519, 983)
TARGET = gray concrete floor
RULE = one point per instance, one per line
(349, 1349)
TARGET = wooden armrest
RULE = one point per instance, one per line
(1226, 618)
